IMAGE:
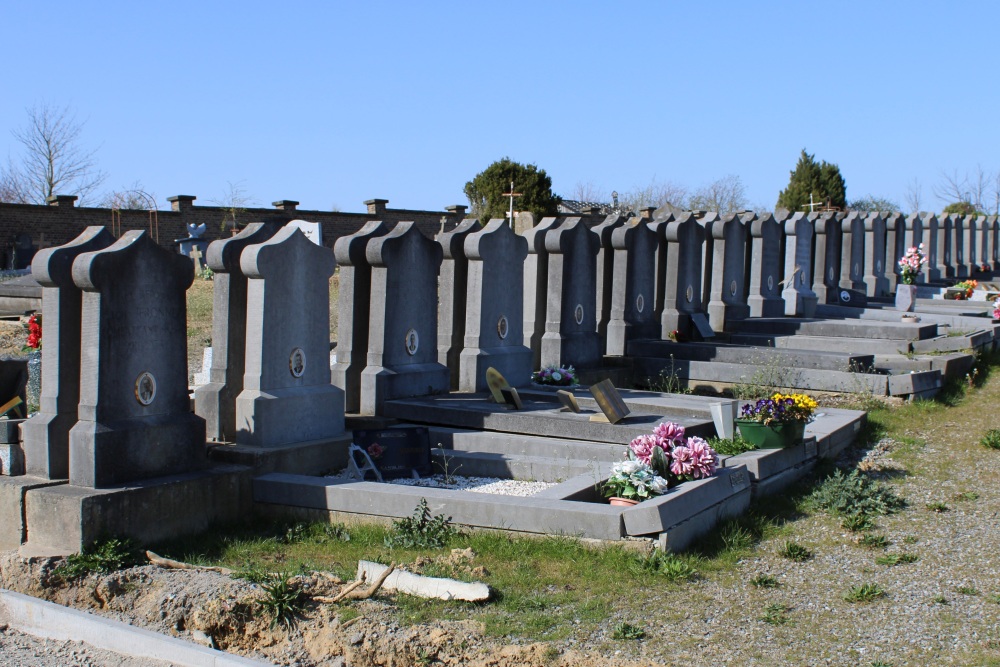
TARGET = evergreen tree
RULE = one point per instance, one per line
(820, 179)
(486, 190)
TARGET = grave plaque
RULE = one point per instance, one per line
(398, 452)
(496, 383)
(135, 418)
(568, 400)
(610, 401)
(511, 398)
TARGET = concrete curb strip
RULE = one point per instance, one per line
(52, 621)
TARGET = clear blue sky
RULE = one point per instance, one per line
(332, 103)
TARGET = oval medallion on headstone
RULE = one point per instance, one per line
(845, 296)
(878, 265)
(770, 283)
(732, 288)
(640, 303)
(503, 328)
(412, 342)
(297, 362)
(857, 269)
(802, 279)
(578, 313)
(689, 294)
(829, 273)
(946, 259)
(145, 388)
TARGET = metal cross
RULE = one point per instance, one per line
(511, 194)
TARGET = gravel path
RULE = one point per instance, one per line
(21, 650)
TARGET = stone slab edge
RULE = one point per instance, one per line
(51, 621)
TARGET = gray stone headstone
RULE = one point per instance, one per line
(725, 270)
(354, 310)
(983, 243)
(633, 306)
(852, 253)
(895, 248)
(874, 267)
(402, 351)
(659, 227)
(945, 247)
(933, 269)
(312, 230)
(685, 241)
(960, 246)
(765, 255)
(570, 321)
(536, 285)
(914, 234)
(827, 242)
(800, 300)
(992, 239)
(494, 308)
(135, 418)
(605, 271)
(287, 395)
(215, 402)
(454, 285)
(46, 435)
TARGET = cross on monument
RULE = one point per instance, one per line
(511, 194)
(196, 255)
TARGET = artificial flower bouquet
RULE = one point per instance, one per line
(967, 287)
(911, 263)
(556, 376)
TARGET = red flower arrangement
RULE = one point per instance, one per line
(34, 326)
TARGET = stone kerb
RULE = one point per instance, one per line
(135, 418)
(895, 248)
(402, 355)
(46, 435)
(826, 276)
(536, 285)
(635, 246)
(800, 300)
(725, 277)
(354, 310)
(685, 240)
(606, 272)
(452, 295)
(494, 308)
(765, 252)
(874, 268)
(287, 395)
(570, 319)
(215, 402)
(852, 253)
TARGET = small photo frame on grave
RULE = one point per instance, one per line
(511, 398)
(610, 401)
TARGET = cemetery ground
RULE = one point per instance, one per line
(829, 572)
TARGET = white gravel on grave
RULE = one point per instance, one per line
(492, 485)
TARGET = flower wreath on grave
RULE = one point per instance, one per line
(555, 376)
(967, 287)
(659, 461)
(34, 327)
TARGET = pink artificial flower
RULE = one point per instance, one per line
(683, 462)
(643, 446)
(672, 433)
(705, 460)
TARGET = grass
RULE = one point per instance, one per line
(794, 551)
(627, 631)
(992, 439)
(100, 558)
(896, 559)
(731, 446)
(874, 541)
(776, 614)
(864, 593)
(765, 581)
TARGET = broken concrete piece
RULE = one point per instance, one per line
(425, 587)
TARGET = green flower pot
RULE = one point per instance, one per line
(775, 436)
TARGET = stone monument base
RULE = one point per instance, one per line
(379, 384)
(293, 414)
(63, 519)
(13, 530)
(514, 363)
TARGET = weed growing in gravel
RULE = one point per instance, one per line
(795, 552)
(856, 494)
(968, 496)
(940, 599)
(938, 507)
(421, 530)
(671, 566)
(995, 599)
(101, 557)
(776, 614)
(967, 590)
(857, 523)
(282, 599)
(316, 533)
(880, 663)
(992, 439)
(736, 537)
(910, 539)
(764, 581)
(864, 593)
(896, 559)
(873, 541)
(731, 446)
(624, 631)
(668, 382)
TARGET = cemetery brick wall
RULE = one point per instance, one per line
(60, 221)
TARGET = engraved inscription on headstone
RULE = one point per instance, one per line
(738, 478)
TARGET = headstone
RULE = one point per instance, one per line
(204, 376)
(800, 300)
(764, 260)
(874, 268)
(287, 395)
(685, 240)
(312, 230)
(605, 272)
(914, 235)
(934, 270)
(454, 285)
(215, 401)
(983, 256)
(852, 253)
(494, 307)
(961, 239)
(402, 356)
(895, 248)
(826, 279)
(992, 240)
(725, 270)
(570, 337)
(134, 415)
(354, 310)
(945, 247)
(46, 435)
(194, 246)
(659, 227)
(635, 245)
(536, 285)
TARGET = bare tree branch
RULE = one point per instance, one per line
(725, 195)
(912, 196)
